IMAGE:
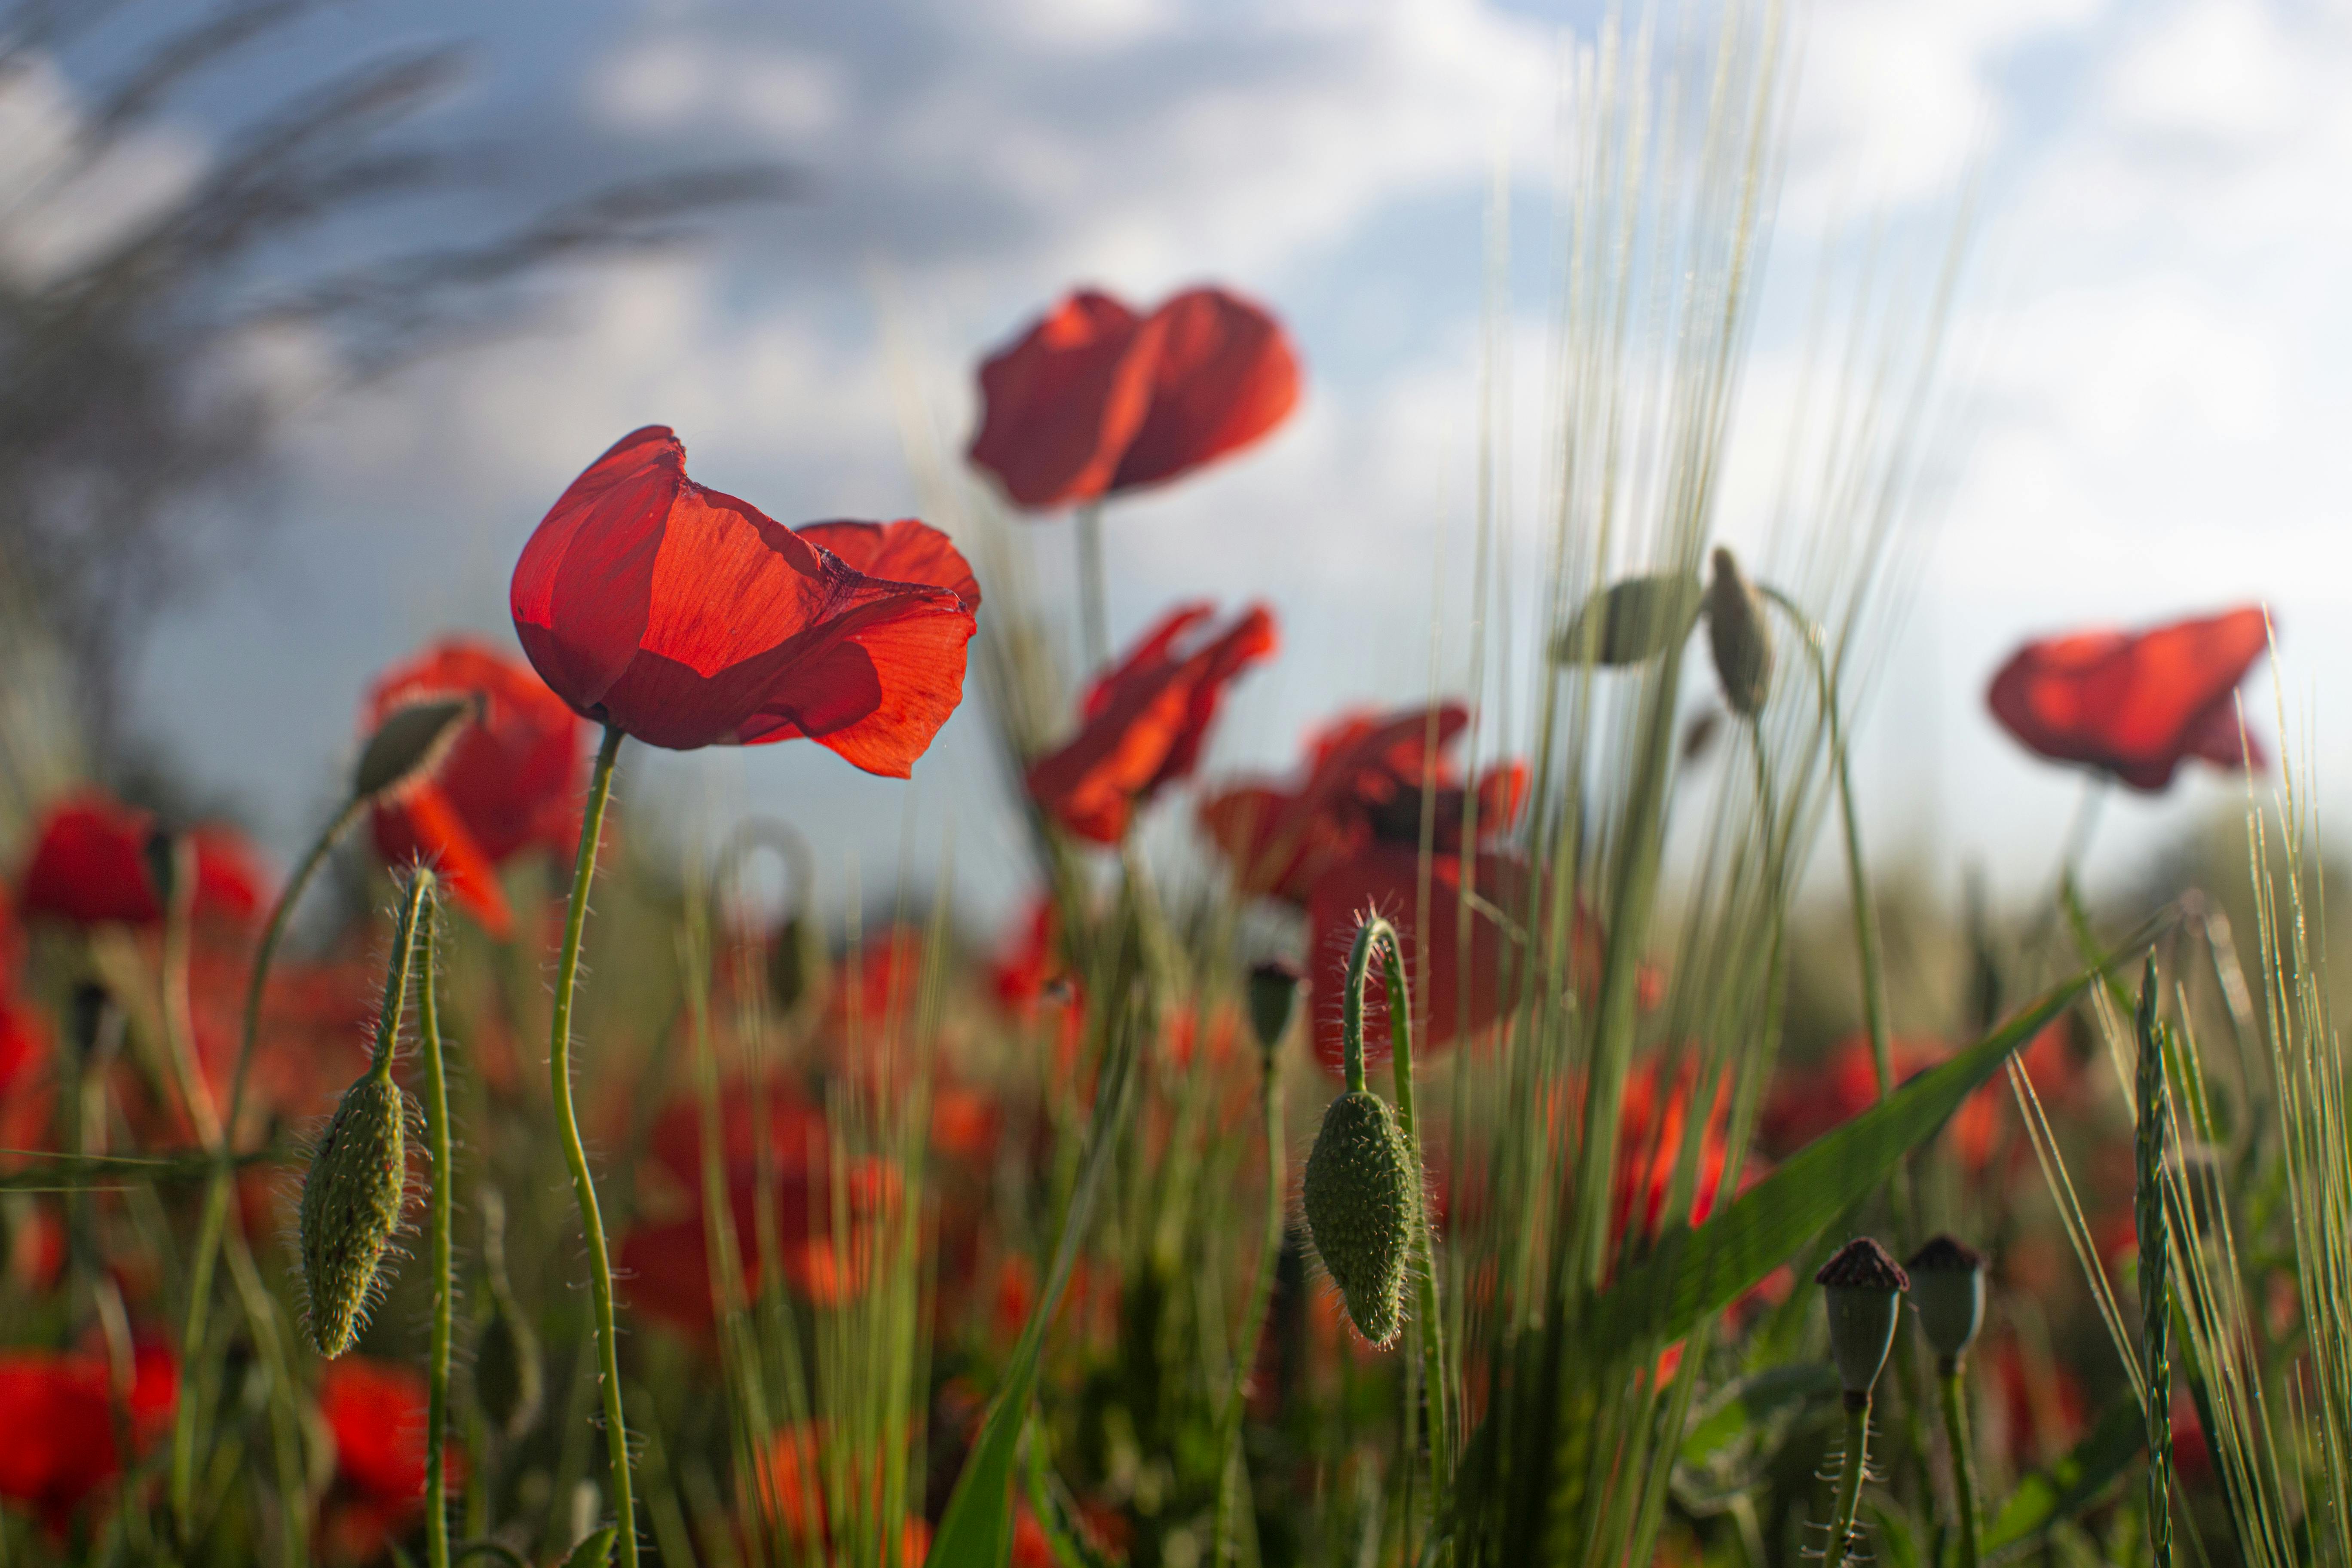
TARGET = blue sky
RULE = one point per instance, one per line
(2152, 353)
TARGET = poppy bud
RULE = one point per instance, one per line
(1362, 1197)
(352, 1200)
(1273, 997)
(1631, 621)
(1947, 1294)
(1738, 637)
(1864, 1287)
(412, 740)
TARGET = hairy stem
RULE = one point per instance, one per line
(1849, 1493)
(567, 1123)
(437, 1131)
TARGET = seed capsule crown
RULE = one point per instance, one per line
(352, 1200)
(1363, 1199)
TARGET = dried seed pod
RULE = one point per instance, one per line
(410, 740)
(1948, 1295)
(1738, 636)
(1865, 1287)
(1363, 1199)
(352, 1200)
(1631, 621)
(1273, 998)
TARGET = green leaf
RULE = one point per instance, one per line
(1629, 622)
(1692, 1274)
(2049, 1498)
(596, 1548)
(976, 1531)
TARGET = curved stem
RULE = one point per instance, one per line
(1964, 1468)
(437, 1131)
(583, 1186)
(215, 1219)
(1849, 1496)
(1377, 933)
(1261, 1296)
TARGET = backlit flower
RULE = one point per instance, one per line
(1094, 399)
(1143, 725)
(510, 780)
(92, 864)
(687, 618)
(1363, 780)
(57, 1438)
(2135, 704)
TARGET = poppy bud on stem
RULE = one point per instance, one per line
(1947, 1293)
(583, 1186)
(1864, 1288)
(1364, 1188)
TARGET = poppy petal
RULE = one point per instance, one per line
(1223, 376)
(907, 551)
(588, 568)
(1061, 404)
(423, 828)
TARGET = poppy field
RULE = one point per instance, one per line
(1531, 1127)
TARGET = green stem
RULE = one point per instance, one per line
(1377, 933)
(1093, 596)
(1949, 1379)
(1849, 1495)
(436, 1131)
(217, 1190)
(1261, 1297)
(584, 1185)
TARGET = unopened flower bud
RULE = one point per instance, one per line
(1363, 1199)
(1273, 998)
(1865, 1287)
(352, 1200)
(1738, 637)
(1631, 621)
(411, 742)
(1947, 1294)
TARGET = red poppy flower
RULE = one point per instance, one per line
(1363, 781)
(687, 617)
(90, 865)
(1143, 725)
(1094, 399)
(1386, 879)
(1651, 1123)
(25, 1086)
(511, 780)
(377, 1412)
(2136, 703)
(57, 1441)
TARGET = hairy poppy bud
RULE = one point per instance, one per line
(352, 1200)
(1273, 997)
(1631, 621)
(1363, 1198)
(1947, 1293)
(1864, 1287)
(1737, 635)
(412, 740)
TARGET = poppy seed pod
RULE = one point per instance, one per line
(1363, 1198)
(1947, 1293)
(410, 740)
(1865, 1288)
(1631, 621)
(1738, 636)
(1273, 998)
(352, 1200)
